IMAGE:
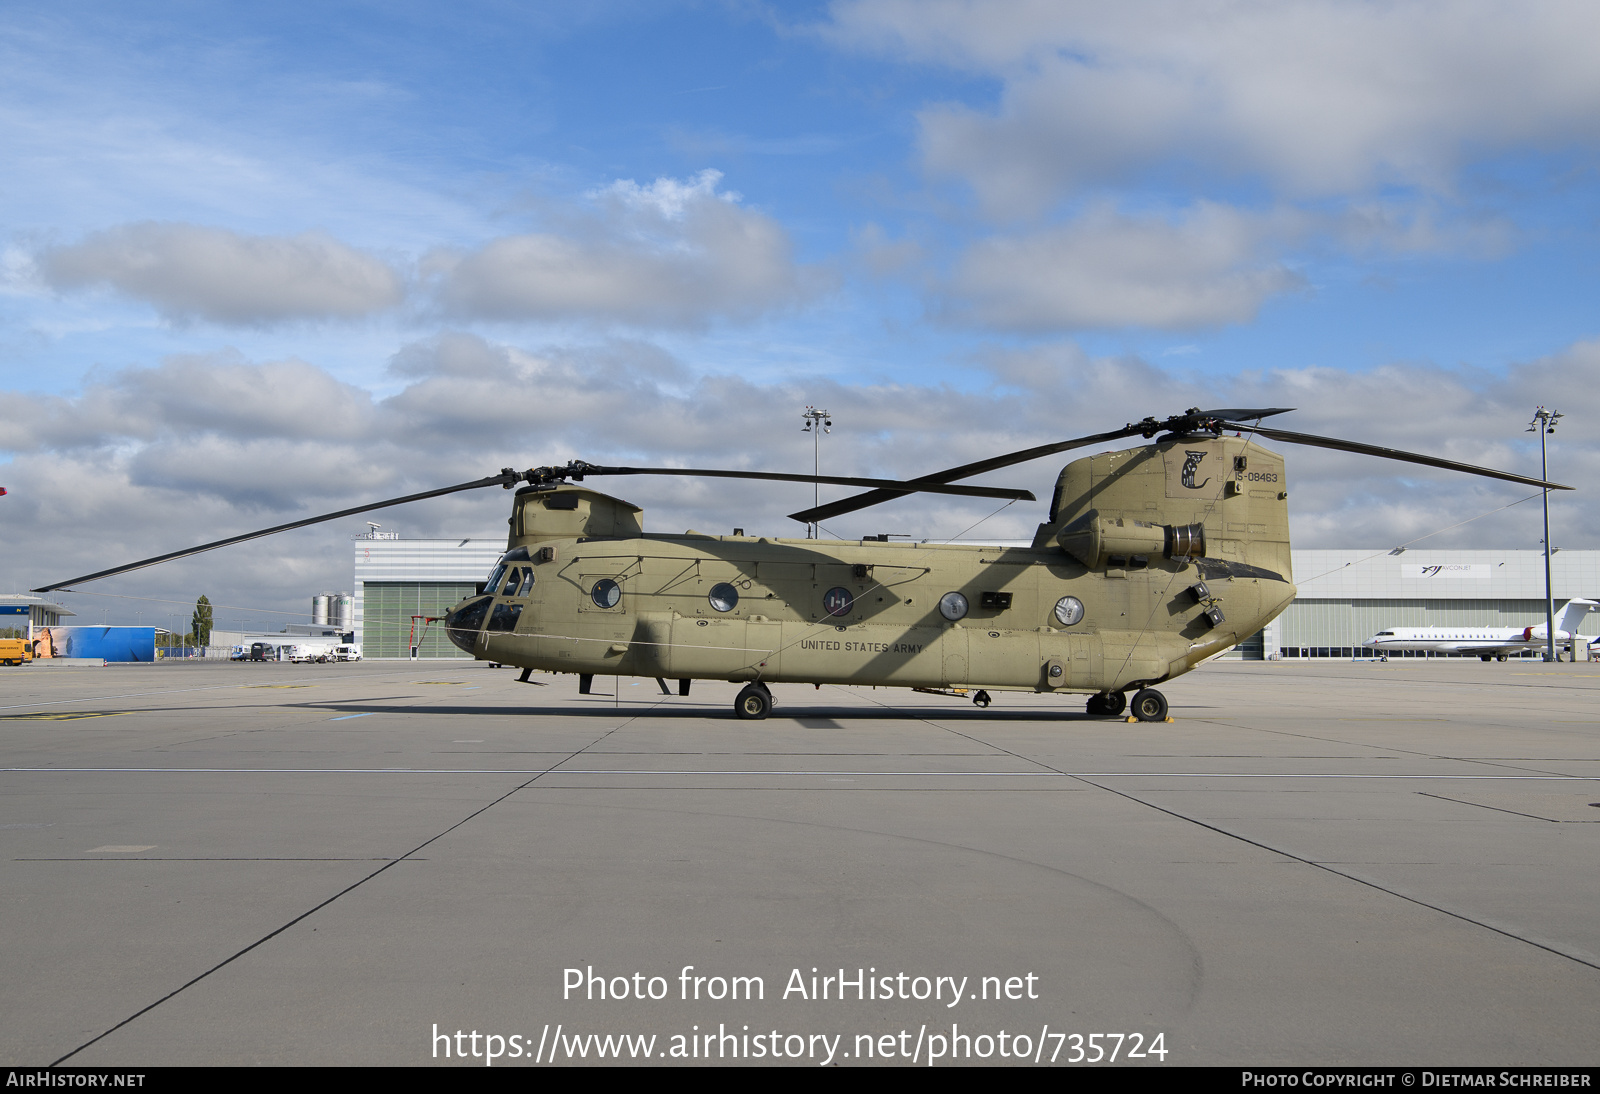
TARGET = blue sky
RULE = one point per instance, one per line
(505, 233)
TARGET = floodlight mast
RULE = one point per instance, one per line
(817, 422)
(1544, 424)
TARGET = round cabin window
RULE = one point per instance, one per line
(606, 593)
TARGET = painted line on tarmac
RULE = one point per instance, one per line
(797, 774)
(178, 691)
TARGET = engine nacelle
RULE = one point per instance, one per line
(1098, 541)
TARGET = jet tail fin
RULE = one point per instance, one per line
(1571, 617)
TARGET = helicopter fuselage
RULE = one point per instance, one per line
(1116, 592)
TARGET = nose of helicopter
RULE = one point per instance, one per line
(463, 622)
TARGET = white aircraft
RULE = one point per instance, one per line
(1486, 642)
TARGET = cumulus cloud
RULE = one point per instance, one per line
(190, 395)
(144, 461)
(670, 253)
(882, 255)
(1106, 269)
(1316, 96)
(189, 272)
(673, 252)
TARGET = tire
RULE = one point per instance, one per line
(1108, 705)
(753, 703)
(1149, 705)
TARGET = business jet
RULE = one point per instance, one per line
(1486, 642)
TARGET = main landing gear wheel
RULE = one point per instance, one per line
(1149, 705)
(1109, 704)
(982, 699)
(753, 703)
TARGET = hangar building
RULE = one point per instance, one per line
(1345, 597)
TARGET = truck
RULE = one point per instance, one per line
(312, 649)
(15, 651)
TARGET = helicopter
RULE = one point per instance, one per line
(1152, 559)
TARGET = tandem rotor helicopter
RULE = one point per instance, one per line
(1152, 560)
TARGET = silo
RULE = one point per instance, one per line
(342, 611)
(319, 609)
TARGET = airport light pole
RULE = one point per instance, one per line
(817, 422)
(1544, 424)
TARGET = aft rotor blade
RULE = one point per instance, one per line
(1241, 415)
(895, 487)
(505, 478)
(929, 482)
(1388, 454)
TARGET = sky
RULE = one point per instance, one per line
(259, 262)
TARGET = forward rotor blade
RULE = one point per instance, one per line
(1388, 454)
(928, 482)
(505, 478)
(896, 487)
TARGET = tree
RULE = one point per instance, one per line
(202, 622)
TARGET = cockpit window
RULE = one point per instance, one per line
(527, 583)
(468, 618)
(494, 578)
(505, 617)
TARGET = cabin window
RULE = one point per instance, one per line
(953, 606)
(1069, 609)
(606, 593)
(723, 596)
(837, 601)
